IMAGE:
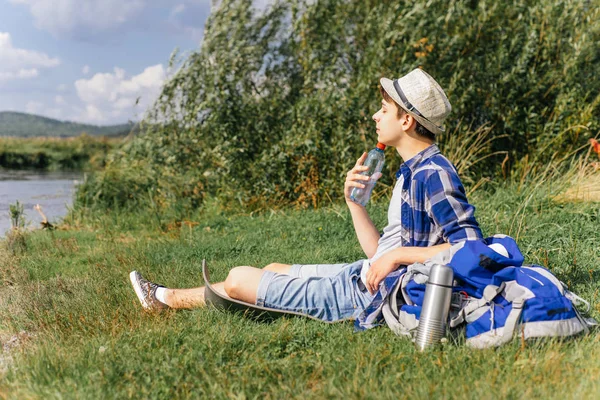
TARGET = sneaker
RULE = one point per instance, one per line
(146, 292)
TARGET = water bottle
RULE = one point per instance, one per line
(374, 161)
(436, 305)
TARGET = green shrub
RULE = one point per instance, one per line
(116, 188)
(16, 242)
(275, 107)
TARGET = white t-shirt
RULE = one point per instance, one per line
(392, 233)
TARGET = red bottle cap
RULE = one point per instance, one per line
(381, 146)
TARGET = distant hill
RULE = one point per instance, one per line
(27, 125)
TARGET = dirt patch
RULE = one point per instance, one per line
(9, 344)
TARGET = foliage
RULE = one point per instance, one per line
(17, 216)
(16, 242)
(51, 154)
(275, 107)
(89, 338)
(16, 238)
(18, 124)
(116, 188)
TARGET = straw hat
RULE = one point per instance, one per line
(422, 97)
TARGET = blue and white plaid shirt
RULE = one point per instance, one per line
(429, 206)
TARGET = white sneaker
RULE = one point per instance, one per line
(146, 292)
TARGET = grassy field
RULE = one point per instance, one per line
(52, 154)
(72, 327)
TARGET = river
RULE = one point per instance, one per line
(52, 190)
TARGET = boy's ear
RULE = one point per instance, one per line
(408, 121)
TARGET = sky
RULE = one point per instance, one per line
(90, 60)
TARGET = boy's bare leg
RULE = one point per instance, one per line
(190, 298)
(241, 284)
(279, 268)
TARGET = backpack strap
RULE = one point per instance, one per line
(391, 311)
(576, 300)
(513, 319)
(489, 294)
(392, 300)
(587, 323)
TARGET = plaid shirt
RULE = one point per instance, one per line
(429, 207)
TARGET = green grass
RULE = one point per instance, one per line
(88, 337)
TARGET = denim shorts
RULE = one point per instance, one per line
(329, 292)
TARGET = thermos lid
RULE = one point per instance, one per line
(441, 275)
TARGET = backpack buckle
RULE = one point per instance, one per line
(518, 304)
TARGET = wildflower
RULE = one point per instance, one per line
(595, 146)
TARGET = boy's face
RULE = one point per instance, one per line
(389, 127)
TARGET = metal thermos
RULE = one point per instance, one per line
(436, 305)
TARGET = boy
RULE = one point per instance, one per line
(428, 212)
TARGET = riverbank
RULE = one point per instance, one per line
(56, 154)
(53, 191)
(86, 335)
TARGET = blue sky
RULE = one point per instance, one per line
(89, 60)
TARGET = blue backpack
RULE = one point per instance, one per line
(494, 295)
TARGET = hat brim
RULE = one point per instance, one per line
(388, 86)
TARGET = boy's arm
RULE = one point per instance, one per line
(449, 208)
(391, 260)
(366, 232)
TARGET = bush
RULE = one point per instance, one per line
(16, 242)
(275, 107)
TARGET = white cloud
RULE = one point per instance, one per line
(178, 9)
(54, 113)
(27, 73)
(34, 107)
(94, 19)
(124, 103)
(85, 70)
(93, 114)
(81, 17)
(114, 94)
(18, 63)
(20, 74)
(60, 100)
(62, 87)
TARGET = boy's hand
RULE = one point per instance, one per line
(379, 270)
(354, 179)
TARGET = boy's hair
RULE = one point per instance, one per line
(420, 129)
